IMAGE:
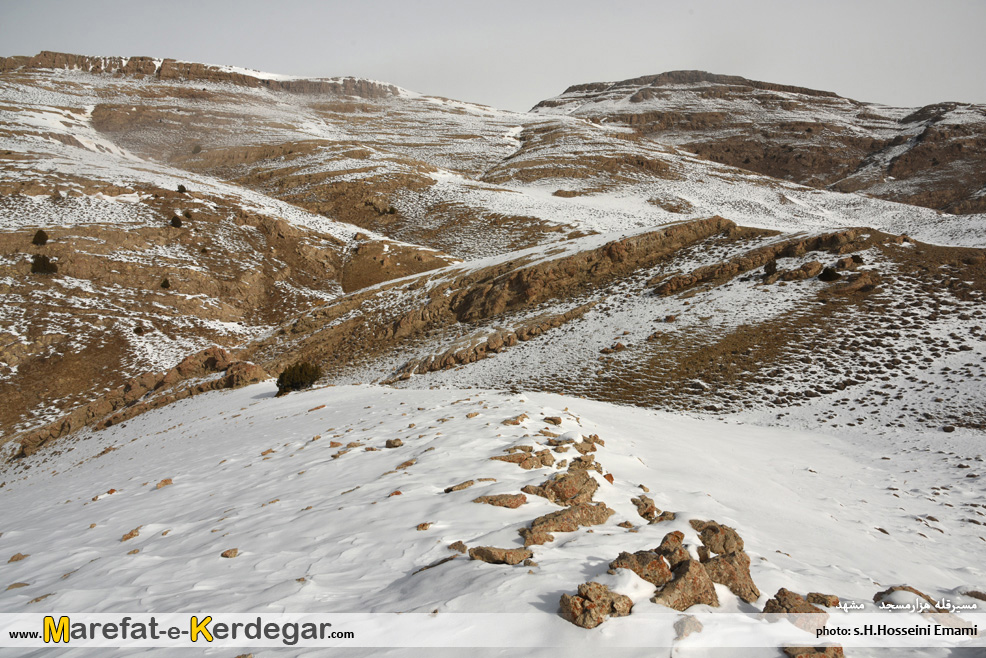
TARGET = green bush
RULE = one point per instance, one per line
(43, 265)
(298, 376)
(40, 238)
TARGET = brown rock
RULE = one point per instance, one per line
(553, 420)
(672, 550)
(827, 600)
(393, 443)
(164, 483)
(733, 571)
(231, 552)
(458, 546)
(690, 586)
(796, 610)
(423, 526)
(17, 585)
(513, 501)
(646, 507)
(460, 486)
(17, 557)
(569, 519)
(593, 604)
(647, 564)
(516, 420)
(133, 533)
(720, 539)
(493, 555)
(570, 488)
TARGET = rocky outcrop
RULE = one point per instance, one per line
(593, 604)
(689, 586)
(731, 565)
(146, 392)
(511, 501)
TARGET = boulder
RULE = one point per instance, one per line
(569, 488)
(569, 519)
(690, 586)
(513, 501)
(647, 564)
(593, 604)
(733, 571)
(797, 610)
(500, 555)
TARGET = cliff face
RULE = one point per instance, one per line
(173, 70)
(933, 156)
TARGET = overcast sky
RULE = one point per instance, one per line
(512, 54)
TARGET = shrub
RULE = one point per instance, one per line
(43, 265)
(182, 189)
(40, 238)
(298, 376)
(165, 284)
(176, 221)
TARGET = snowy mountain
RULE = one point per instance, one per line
(703, 384)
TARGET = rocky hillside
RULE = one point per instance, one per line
(933, 156)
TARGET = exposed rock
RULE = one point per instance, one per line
(690, 586)
(500, 555)
(17, 586)
(733, 571)
(553, 420)
(593, 604)
(646, 507)
(647, 564)
(569, 488)
(796, 610)
(458, 546)
(720, 539)
(516, 420)
(672, 550)
(569, 519)
(133, 533)
(231, 552)
(513, 501)
(17, 557)
(827, 600)
(423, 526)
(394, 443)
(460, 486)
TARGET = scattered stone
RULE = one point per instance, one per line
(460, 486)
(394, 443)
(646, 507)
(647, 564)
(17, 586)
(472, 414)
(516, 420)
(423, 526)
(664, 516)
(17, 557)
(230, 553)
(133, 533)
(40, 598)
(458, 546)
(733, 571)
(672, 550)
(552, 420)
(593, 604)
(513, 501)
(133, 552)
(164, 483)
(720, 539)
(493, 555)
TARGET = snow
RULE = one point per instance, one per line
(248, 472)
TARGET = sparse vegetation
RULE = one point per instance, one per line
(298, 376)
(43, 265)
(40, 238)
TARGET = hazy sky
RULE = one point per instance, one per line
(512, 54)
